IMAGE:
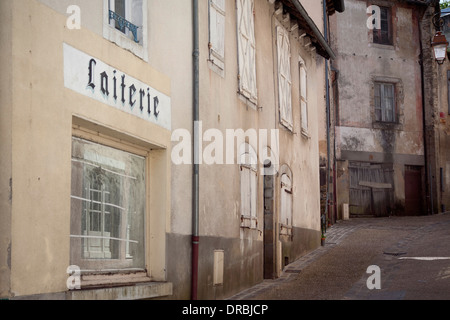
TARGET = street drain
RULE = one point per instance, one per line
(394, 253)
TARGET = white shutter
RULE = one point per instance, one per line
(217, 31)
(303, 97)
(253, 195)
(284, 77)
(245, 191)
(246, 49)
(286, 201)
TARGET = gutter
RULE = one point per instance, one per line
(322, 41)
(195, 177)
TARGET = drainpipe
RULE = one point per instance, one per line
(327, 90)
(195, 178)
(428, 185)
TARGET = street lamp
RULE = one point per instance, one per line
(439, 45)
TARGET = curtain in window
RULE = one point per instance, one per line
(384, 95)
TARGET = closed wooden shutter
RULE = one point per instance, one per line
(303, 97)
(286, 205)
(217, 32)
(284, 77)
(249, 190)
(246, 49)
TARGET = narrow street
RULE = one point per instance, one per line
(412, 253)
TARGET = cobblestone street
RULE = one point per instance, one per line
(413, 254)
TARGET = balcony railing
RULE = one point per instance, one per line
(123, 23)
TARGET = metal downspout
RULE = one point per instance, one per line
(327, 90)
(195, 178)
(428, 185)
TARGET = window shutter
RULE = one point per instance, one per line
(303, 97)
(284, 77)
(286, 200)
(245, 191)
(217, 31)
(246, 49)
(253, 194)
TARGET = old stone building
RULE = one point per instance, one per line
(382, 88)
(158, 149)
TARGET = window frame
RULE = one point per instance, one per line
(123, 40)
(378, 33)
(94, 267)
(382, 102)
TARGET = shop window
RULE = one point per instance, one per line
(108, 205)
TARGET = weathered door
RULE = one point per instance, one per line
(371, 189)
(413, 191)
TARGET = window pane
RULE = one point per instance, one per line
(384, 34)
(377, 94)
(384, 102)
(107, 207)
(119, 8)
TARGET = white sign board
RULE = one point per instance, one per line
(93, 78)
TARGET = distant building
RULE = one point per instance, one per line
(381, 83)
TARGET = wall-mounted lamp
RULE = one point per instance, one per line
(439, 45)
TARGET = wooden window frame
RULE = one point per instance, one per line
(378, 36)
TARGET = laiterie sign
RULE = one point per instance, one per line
(93, 78)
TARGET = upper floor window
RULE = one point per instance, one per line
(217, 32)
(247, 49)
(125, 23)
(284, 77)
(383, 35)
(385, 110)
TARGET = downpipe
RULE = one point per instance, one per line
(195, 178)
